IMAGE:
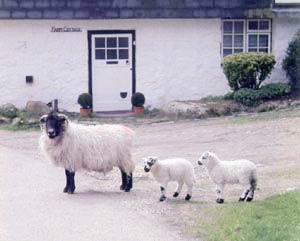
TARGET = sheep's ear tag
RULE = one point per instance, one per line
(43, 119)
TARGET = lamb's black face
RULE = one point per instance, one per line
(149, 162)
(54, 124)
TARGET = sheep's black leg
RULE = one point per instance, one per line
(244, 195)
(250, 195)
(163, 196)
(163, 189)
(70, 182)
(67, 180)
(128, 183)
(124, 180)
(220, 197)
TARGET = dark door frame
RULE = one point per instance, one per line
(90, 74)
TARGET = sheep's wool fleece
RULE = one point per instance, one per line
(176, 169)
(93, 148)
(238, 171)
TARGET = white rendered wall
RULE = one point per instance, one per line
(175, 60)
(284, 28)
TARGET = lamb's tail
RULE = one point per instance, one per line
(253, 181)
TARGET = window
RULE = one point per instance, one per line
(246, 36)
(111, 48)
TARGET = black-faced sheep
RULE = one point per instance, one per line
(230, 172)
(176, 169)
(93, 148)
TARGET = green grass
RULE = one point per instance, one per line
(274, 219)
(266, 116)
(20, 127)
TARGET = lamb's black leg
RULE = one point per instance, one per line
(70, 182)
(128, 183)
(124, 180)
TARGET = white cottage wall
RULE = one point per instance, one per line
(175, 59)
(284, 28)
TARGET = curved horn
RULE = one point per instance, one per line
(43, 118)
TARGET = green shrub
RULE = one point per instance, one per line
(251, 97)
(248, 70)
(138, 99)
(9, 113)
(291, 64)
(85, 100)
(228, 96)
(274, 91)
(248, 97)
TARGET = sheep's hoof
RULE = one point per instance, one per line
(71, 190)
(176, 194)
(66, 189)
(162, 198)
(249, 199)
(220, 200)
(188, 197)
(122, 187)
(127, 189)
(241, 199)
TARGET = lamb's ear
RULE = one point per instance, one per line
(43, 119)
(154, 159)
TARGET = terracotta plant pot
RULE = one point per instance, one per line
(85, 112)
(138, 110)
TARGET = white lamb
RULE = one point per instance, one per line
(224, 172)
(176, 169)
(93, 148)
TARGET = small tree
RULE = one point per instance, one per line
(291, 64)
(248, 70)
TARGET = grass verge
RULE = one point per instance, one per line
(19, 127)
(276, 218)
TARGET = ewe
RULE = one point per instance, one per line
(176, 169)
(93, 148)
(223, 172)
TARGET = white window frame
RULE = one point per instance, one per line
(233, 34)
(246, 34)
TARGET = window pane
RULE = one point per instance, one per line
(252, 41)
(111, 54)
(263, 50)
(264, 25)
(227, 27)
(227, 40)
(263, 40)
(100, 54)
(253, 25)
(123, 42)
(238, 41)
(238, 27)
(236, 51)
(123, 53)
(111, 42)
(99, 42)
(227, 52)
(252, 50)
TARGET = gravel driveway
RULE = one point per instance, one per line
(33, 206)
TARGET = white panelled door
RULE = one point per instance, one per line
(112, 77)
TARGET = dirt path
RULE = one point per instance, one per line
(36, 209)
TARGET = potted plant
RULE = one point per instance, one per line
(138, 101)
(85, 100)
